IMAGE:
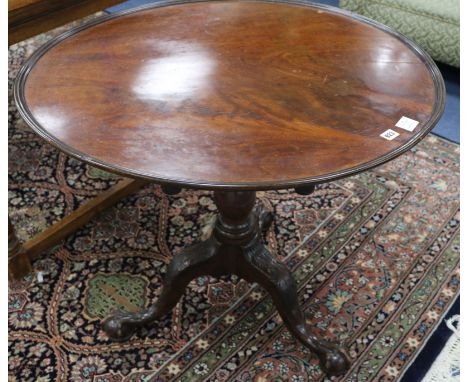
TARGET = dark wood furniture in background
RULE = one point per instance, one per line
(27, 18)
(232, 96)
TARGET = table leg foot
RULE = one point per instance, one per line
(19, 263)
(193, 262)
(275, 277)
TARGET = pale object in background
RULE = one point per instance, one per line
(447, 365)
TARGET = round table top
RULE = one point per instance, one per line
(232, 94)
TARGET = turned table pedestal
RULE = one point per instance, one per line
(233, 97)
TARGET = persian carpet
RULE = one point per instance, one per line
(375, 257)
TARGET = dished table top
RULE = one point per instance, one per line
(231, 94)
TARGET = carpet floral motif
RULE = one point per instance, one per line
(375, 258)
(107, 292)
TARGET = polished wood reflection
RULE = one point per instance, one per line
(231, 93)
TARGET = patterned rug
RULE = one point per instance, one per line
(375, 257)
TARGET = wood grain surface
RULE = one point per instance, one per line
(231, 94)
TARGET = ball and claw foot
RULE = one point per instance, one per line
(118, 327)
(334, 362)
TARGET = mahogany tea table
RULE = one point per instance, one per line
(234, 97)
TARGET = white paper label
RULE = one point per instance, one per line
(389, 134)
(407, 124)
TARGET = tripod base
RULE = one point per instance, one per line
(235, 247)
